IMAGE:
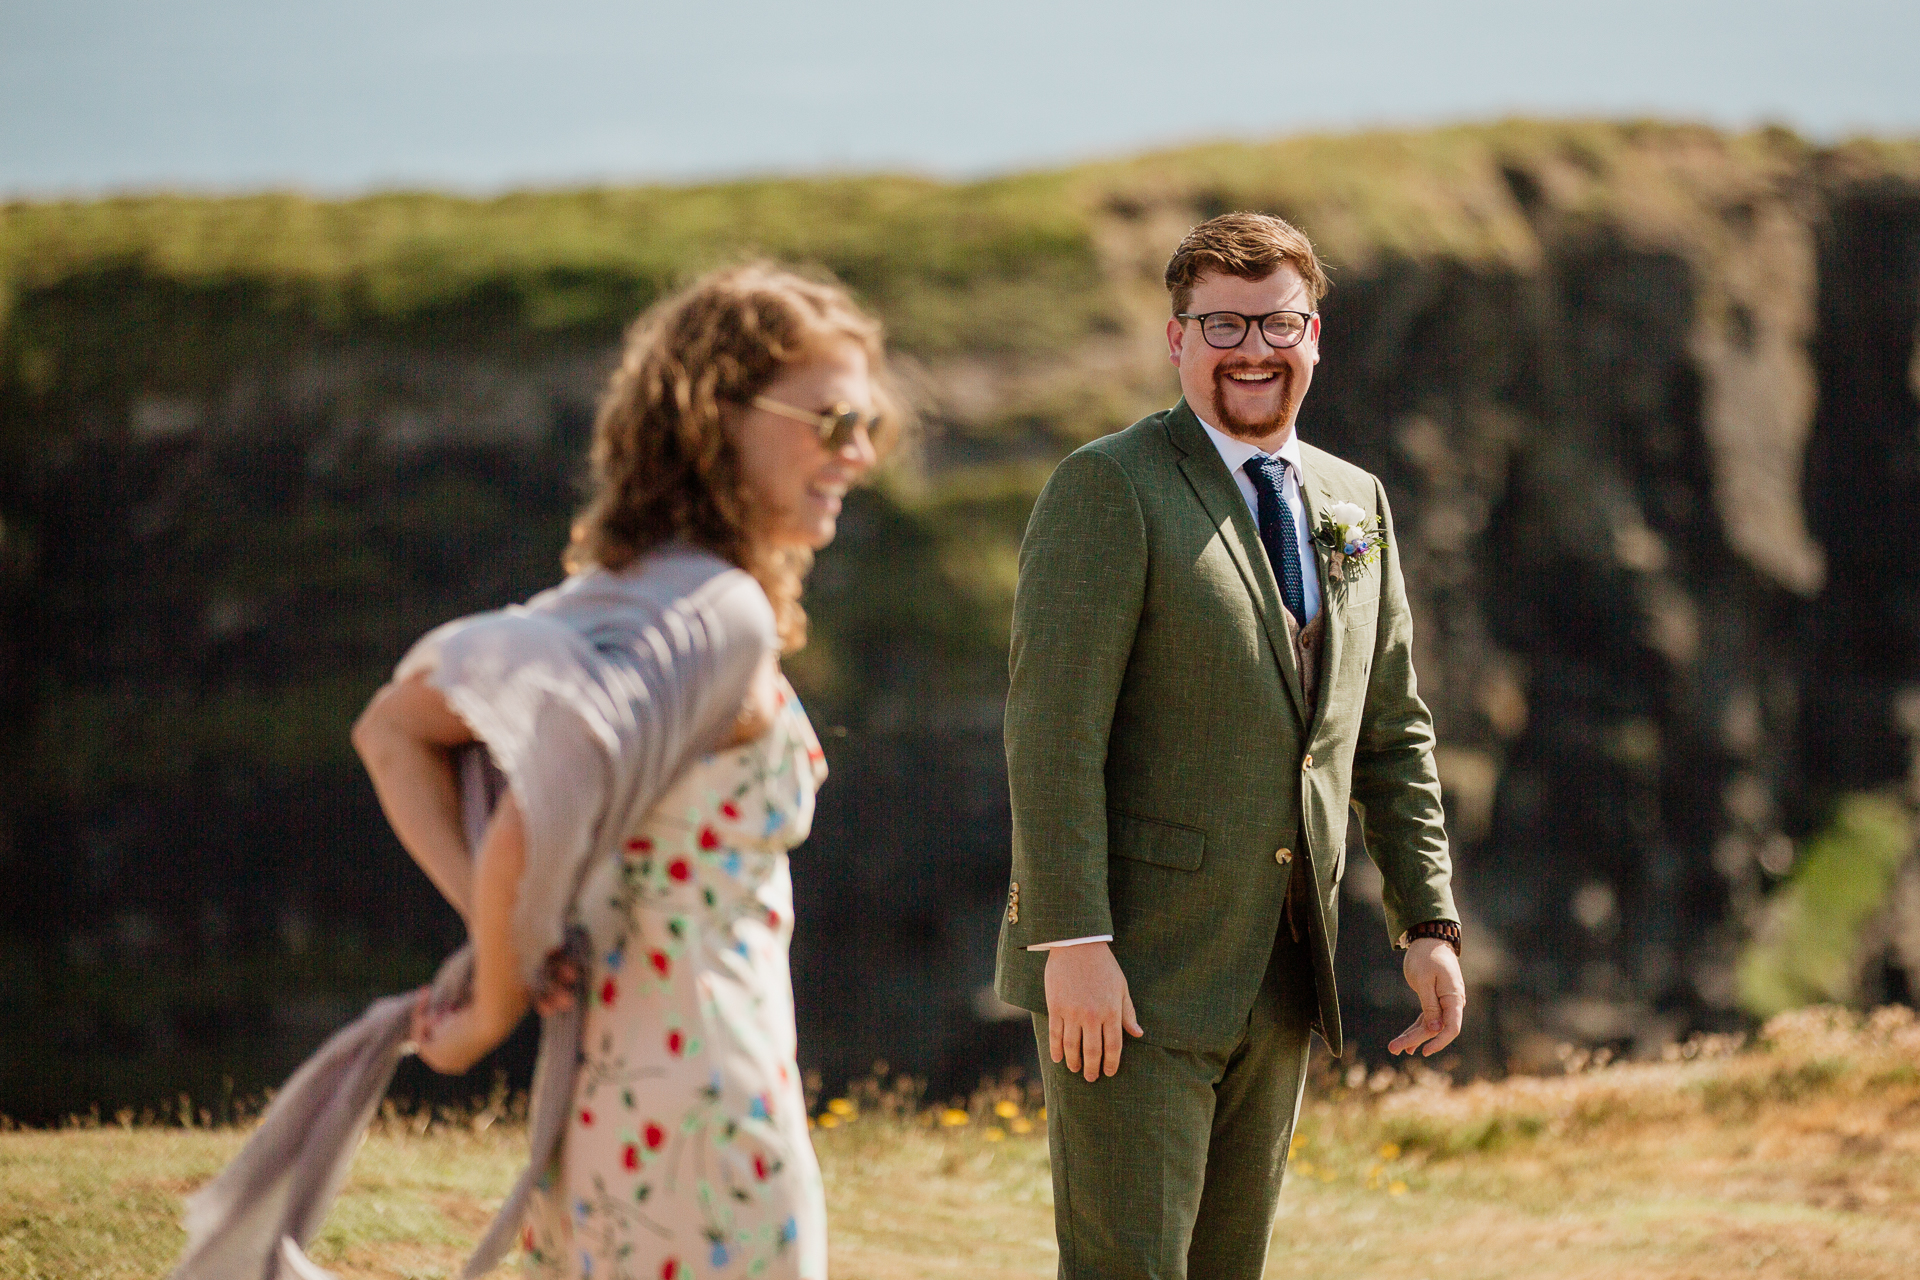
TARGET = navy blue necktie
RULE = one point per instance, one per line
(1277, 532)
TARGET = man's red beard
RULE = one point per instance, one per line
(1251, 428)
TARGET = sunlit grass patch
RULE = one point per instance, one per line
(1792, 1155)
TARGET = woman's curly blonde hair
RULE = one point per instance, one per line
(663, 467)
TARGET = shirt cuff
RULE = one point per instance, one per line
(1071, 942)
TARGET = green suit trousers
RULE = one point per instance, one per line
(1172, 1167)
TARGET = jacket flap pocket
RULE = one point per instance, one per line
(1164, 844)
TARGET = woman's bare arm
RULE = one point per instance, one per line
(452, 1042)
(404, 737)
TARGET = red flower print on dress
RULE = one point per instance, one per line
(630, 1157)
(654, 1136)
(586, 1118)
(526, 1239)
(640, 844)
(608, 991)
(670, 1269)
(709, 838)
(730, 811)
(676, 1042)
(662, 965)
(773, 918)
(679, 869)
(760, 1169)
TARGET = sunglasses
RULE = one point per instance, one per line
(836, 425)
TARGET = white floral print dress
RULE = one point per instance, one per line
(687, 1155)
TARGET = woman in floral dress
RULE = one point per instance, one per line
(647, 738)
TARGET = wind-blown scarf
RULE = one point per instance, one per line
(589, 700)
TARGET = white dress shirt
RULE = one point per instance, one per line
(1235, 454)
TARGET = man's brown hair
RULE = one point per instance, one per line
(1251, 246)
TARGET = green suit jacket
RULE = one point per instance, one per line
(1160, 749)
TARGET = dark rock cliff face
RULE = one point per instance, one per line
(1659, 514)
(1643, 399)
(1863, 498)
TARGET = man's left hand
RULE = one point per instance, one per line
(1433, 971)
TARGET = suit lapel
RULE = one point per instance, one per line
(1333, 634)
(1227, 511)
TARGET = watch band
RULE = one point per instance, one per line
(1445, 930)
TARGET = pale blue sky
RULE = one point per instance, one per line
(346, 95)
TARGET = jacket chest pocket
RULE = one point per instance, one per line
(1164, 844)
(1355, 614)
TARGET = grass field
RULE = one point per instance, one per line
(1796, 1156)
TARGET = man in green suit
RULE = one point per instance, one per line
(1211, 666)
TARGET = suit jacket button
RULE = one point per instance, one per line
(1283, 856)
(1307, 763)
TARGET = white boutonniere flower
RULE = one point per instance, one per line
(1353, 538)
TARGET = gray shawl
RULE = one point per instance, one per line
(590, 699)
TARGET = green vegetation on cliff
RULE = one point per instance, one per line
(1010, 265)
(996, 266)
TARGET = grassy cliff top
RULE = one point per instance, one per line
(1004, 264)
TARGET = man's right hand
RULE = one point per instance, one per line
(1087, 1005)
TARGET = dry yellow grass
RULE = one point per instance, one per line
(1797, 1157)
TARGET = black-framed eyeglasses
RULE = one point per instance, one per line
(1228, 329)
(836, 425)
